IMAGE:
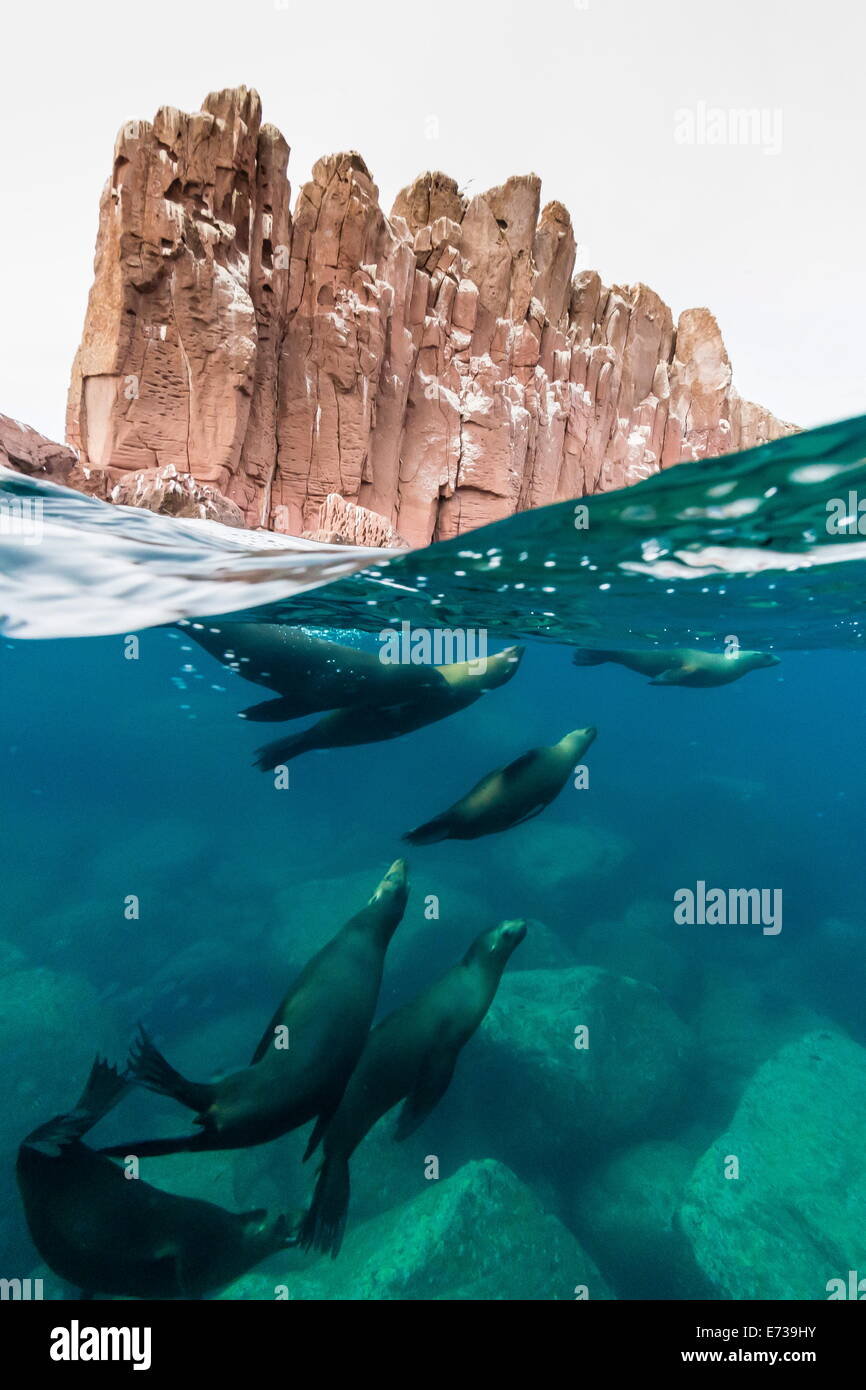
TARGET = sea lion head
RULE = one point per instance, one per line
(498, 943)
(265, 1233)
(576, 743)
(394, 887)
(761, 658)
(502, 666)
(486, 672)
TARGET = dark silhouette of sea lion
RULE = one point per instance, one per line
(464, 683)
(508, 796)
(309, 674)
(680, 665)
(105, 1233)
(307, 1052)
(411, 1054)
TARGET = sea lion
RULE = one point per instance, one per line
(681, 665)
(412, 1053)
(307, 1053)
(309, 674)
(508, 796)
(105, 1233)
(344, 728)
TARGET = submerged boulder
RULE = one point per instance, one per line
(571, 1062)
(625, 1214)
(553, 859)
(644, 943)
(479, 1235)
(739, 1022)
(793, 1217)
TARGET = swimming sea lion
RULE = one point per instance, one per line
(307, 1052)
(464, 684)
(412, 1054)
(681, 665)
(309, 674)
(510, 795)
(106, 1233)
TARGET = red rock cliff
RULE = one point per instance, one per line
(440, 367)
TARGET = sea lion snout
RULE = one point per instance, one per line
(507, 937)
(514, 931)
(584, 737)
(499, 668)
(394, 881)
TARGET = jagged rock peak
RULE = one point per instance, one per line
(439, 368)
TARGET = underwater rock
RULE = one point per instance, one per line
(739, 1022)
(551, 858)
(795, 1217)
(643, 944)
(481, 1234)
(538, 1099)
(11, 958)
(625, 1213)
(439, 367)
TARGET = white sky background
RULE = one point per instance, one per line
(583, 92)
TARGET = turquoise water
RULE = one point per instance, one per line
(603, 1168)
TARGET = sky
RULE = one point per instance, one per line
(623, 108)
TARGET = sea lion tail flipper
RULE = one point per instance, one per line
(271, 711)
(592, 656)
(149, 1068)
(104, 1088)
(324, 1224)
(429, 1087)
(430, 831)
(282, 750)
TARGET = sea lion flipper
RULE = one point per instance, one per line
(592, 656)
(672, 676)
(518, 766)
(150, 1069)
(530, 815)
(429, 1087)
(282, 750)
(105, 1086)
(322, 1122)
(432, 830)
(272, 711)
(157, 1148)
